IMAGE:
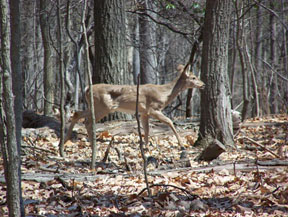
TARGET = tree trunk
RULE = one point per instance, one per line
(240, 45)
(10, 148)
(135, 54)
(91, 123)
(36, 92)
(17, 80)
(191, 60)
(147, 38)
(257, 61)
(232, 62)
(49, 76)
(285, 58)
(110, 51)
(110, 60)
(216, 121)
(27, 62)
(62, 81)
(274, 83)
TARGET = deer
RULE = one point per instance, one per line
(153, 99)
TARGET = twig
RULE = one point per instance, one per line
(272, 12)
(128, 168)
(140, 137)
(33, 146)
(118, 153)
(107, 150)
(173, 186)
(262, 146)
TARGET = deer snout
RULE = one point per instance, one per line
(202, 86)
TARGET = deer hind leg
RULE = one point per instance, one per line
(162, 118)
(145, 125)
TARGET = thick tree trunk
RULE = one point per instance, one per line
(110, 60)
(110, 51)
(216, 121)
(49, 75)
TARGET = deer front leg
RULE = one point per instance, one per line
(162, 118)
(88, 126)
(99, 114)
(77, 115)
(145, 125)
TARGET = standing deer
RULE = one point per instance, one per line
(152, 100)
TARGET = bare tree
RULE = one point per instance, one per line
(62, 81)
(110, 60)
(8, 132)
(49, 75)
(147, 44)
(216, 122)
(273, 62)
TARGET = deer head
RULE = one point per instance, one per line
(191, 80)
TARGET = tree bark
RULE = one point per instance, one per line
(110, 51)
(49, 76)
(28, 58)
(110, 60)
(147, 39)
(62, 81)
(17, 80)
(191, 60)
(240, 45)
(285, 57)
(257, 61)
(216, 121)
(135, 54)
(89, 75)
(10, 148)
(274, 83)
(259, 55)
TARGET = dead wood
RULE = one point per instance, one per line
(238, 166)
(34, 120)
(262, 146)
(33, 146)
(274, 162)
(107, 150)
(231, 167)
(213, 148)
(257, 124)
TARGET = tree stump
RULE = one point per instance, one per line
(213, 148)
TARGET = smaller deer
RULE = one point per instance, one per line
(152, 100)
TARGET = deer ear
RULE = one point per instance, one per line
(180, 68)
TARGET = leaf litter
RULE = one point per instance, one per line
(235, 184)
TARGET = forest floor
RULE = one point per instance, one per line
(251, 180)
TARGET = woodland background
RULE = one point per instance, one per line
(47, 48)
(156, 38)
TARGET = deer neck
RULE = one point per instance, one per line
(174, 88)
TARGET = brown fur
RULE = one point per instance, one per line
(152, 100)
